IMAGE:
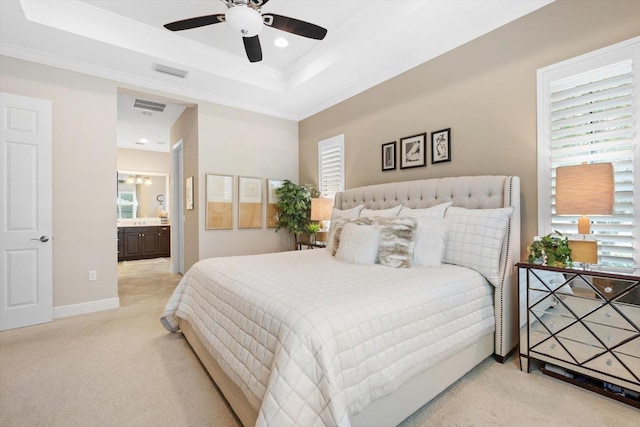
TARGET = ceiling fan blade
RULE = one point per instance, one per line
(199, 21)
(253, 49)
(259, 3)
(294, 26)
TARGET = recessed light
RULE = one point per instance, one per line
(281, 42)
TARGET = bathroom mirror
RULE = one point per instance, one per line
(142, 195)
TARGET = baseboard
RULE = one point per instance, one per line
(85, 307)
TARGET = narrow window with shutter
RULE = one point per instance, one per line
(588, 113)
(331, 166)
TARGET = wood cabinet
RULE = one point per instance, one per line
(584, 325)
(120, 234)
(164, 241)
(145, 242)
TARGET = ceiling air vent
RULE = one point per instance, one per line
(165, 69)
(141, 104)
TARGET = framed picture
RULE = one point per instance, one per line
(189, 194)
(219, 192)
(250, 202)
(389, 156)
(441, 146)
(272, 199)
(412, 151)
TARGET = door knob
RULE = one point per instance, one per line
(42, 239)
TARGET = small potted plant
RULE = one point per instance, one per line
(551, 250)
(312, 228)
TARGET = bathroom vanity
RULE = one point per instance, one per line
(143, 242)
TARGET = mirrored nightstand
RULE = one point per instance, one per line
(586, 322)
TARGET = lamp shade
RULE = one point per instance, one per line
(585, 189)
(321, 209)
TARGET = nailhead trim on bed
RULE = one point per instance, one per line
(472, 192)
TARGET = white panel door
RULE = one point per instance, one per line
(25, 211)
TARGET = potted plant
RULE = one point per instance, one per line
(294, 205)
(312, 228)
(313, 189)
(551, 250)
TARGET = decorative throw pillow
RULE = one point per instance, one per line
(336, 216)
(436, 211)
(430, 238)
(334, 234)
(358, 244)
(371, 213)
(474, 239)
(397, 240)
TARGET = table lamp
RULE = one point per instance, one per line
(321, 211)
(585, 189)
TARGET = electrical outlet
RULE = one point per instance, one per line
(93, 275)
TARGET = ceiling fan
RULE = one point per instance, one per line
(245, 17)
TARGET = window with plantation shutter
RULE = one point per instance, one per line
(588, 113)
(331, 166)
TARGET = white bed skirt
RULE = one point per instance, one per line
(405, 401)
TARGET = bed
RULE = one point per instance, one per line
(305, 338)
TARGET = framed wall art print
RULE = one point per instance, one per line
(441, 146)
(413, 151)
(389, 156)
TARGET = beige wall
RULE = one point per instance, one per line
(268, 148)
(186, 129)
(143, 160)
(84, 167)
(218, 140)
(85, 161)
(485, 91)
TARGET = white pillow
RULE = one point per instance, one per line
(358, 244)
(474, 239)
(385, 213)
(346, 213)
(338, 214)
(436, 211)
(430, 237)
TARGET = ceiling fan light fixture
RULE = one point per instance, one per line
(245, 20)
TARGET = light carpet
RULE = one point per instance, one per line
(122, 368)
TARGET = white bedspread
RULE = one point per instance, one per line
(311, 340)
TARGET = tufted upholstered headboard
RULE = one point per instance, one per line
(472, 192)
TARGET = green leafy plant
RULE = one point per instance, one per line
(552, 250)
(312, 227)
(313, 190)
(294, 206)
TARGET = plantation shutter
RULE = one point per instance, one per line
(591, 120)
(331, 166)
